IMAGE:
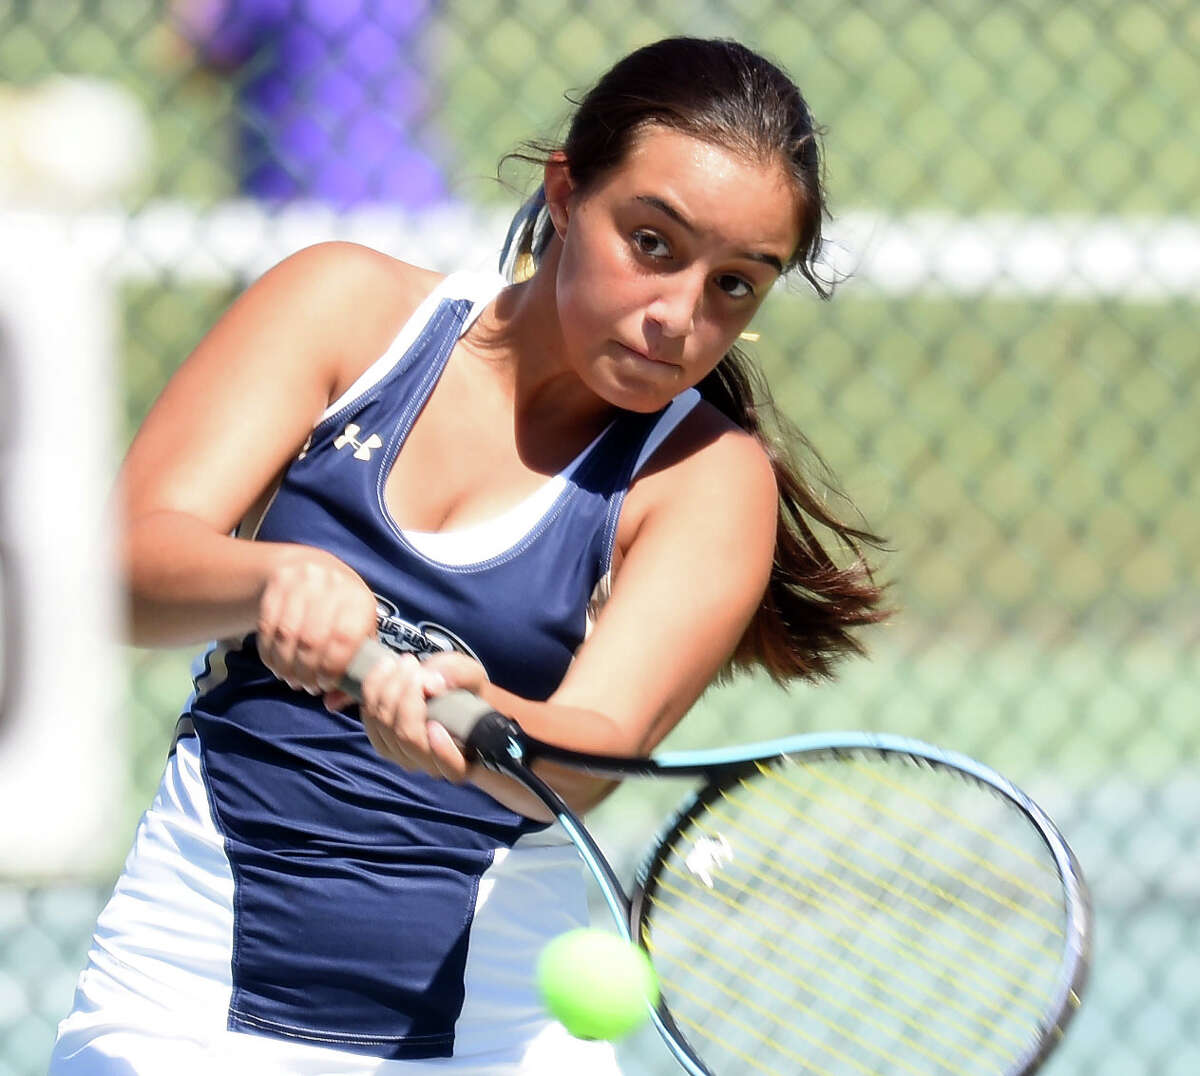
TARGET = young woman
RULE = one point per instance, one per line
(556, 493)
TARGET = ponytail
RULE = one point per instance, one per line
(804, 623)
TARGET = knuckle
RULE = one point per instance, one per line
(309, 639)
(343, 635)
(382, 715)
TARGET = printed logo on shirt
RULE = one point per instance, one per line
(362, 449)
(421, 638)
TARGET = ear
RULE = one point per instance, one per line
(559, 187)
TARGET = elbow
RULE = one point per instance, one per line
(149, 626)
(144, 625)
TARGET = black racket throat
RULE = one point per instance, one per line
(497, 742)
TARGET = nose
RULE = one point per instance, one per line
(676, 305)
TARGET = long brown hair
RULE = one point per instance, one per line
(724, 93)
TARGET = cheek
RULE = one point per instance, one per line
(595, 289)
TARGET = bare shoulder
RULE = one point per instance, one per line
(337, 266)
(365, 293)
(708, 451)
(710, 468)
(313, 322)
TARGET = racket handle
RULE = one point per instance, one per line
(370, 654)
(457, 711)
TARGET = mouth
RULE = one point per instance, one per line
(645, 356)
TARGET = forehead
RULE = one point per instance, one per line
(728, 194)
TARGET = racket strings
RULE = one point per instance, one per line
(881, 983)
(878, 889)
(958, 876)
(884, 887)
(863, 921)
(846, 897)
(919, 1019)
(873, 773)
(880, 776)
(746, 972)
(774, 1043)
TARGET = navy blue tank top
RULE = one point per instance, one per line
(355, 880)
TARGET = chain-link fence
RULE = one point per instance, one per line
(1008, 381)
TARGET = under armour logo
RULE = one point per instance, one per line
(362, 449)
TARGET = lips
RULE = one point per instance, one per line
(646, 356)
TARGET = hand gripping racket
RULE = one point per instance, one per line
(850, 903)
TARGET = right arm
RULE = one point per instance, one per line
(227, 424)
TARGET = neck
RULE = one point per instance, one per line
(519, 338)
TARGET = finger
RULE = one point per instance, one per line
(456, 671)
(394, 750)
(338, 700)
(432, 681)
(284, 639)
(378, 678)
(384, 743)
(352, 623)
(393, 695)
(446, 753)
(411, 720)
(309, 642)
(377, 740)
(270, 608)
(335, 622)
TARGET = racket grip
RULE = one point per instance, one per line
(457, 711)
(370, 654)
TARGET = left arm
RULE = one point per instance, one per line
(695, 547)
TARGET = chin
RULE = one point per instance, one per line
(642, 407)
(643, 399)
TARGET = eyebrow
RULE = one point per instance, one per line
(665, 207)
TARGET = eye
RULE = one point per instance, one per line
(735, 286)
(651, 244)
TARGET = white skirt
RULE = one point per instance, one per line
(153, 999)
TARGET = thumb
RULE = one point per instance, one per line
(448, 670)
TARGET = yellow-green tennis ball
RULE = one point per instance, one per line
(595, 984)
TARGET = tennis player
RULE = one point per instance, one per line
(555, 493)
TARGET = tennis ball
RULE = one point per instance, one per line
(595, 984)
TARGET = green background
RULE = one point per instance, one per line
(1032, 460)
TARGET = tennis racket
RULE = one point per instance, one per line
(850, 903)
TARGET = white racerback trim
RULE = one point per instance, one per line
(480, 288)
(677, 410)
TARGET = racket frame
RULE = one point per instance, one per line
(723, 767)
(501, 745)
